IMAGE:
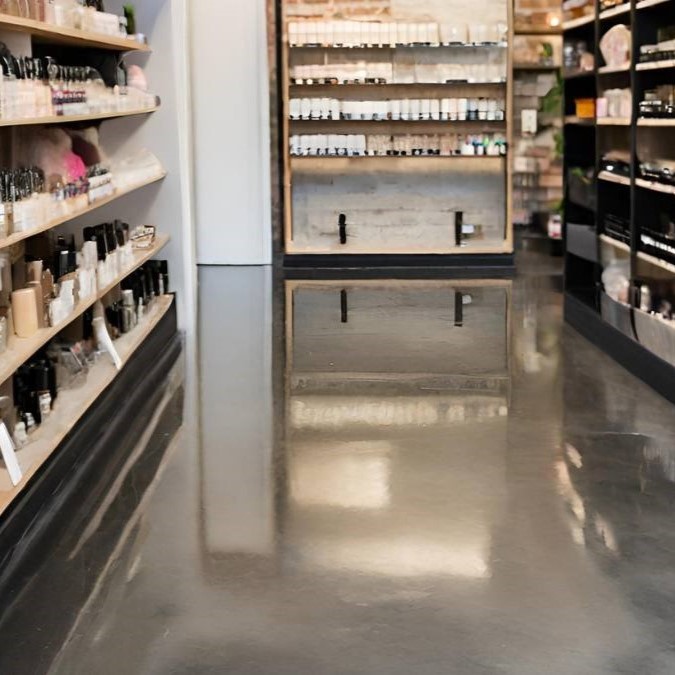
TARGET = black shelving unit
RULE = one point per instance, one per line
(620, 216)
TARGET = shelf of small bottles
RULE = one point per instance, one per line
(416, 45)
(656, 187)
(73, 37)
(68, 119)
(447, 83)
(20, 236)
(656, 65)
(19, 350)
(68, 410)
(363, 158)
(383, 121)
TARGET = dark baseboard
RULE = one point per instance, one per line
(637, 360)
(330, 266)
(88, 459)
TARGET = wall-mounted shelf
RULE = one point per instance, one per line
(389, 159)
(536, 67)
(656, 187)
(656, 122)
(581, 121)
(625, 219)
(606, 70)
(578, 23)
(69, 119)
(72, 37)
(619, 245)
(613, 121)
(609, 177)
(404, 85)
(538, 30)
(646, 4)
(68, 410)
(19, 350)
(656, 65)
(443, 45)
(615, 11)
(575, 74)
(657, 262)
(20, 236)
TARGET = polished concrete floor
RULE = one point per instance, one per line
(398, 477)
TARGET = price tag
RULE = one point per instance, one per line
(9, 455)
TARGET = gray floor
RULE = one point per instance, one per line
(377, 482)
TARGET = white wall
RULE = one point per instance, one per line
(230, 108)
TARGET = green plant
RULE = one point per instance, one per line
(130, 14)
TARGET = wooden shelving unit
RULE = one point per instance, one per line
(68, 410)
(334, 218)
(50, 225)
(627, 211)
(72, 405)
(19, 350)
(45, 32)
(70, 119)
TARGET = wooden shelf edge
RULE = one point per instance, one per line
(656, 187)
(613, 122)
(645, 4)
(20, 236)
(577, 23)
(443, 45)
(19, 350)
(656, 122)
(71, 36)
(410, 158)
(581, 121)
(67, 413)
(615, 243)
(67, 119)
(615, 11)
(613, 178)
(656, 65)
(657, 262)
(605, 70)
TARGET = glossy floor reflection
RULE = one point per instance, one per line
(421, 477)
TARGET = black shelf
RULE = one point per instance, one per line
(626, 208)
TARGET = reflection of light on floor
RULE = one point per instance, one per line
(348, 475)
(404, 557)
(602, 528)
(573, 455)
(328, 412)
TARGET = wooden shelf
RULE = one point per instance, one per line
(656, 65)
(536, 67)
(609, 177)
(575, 74)
(656, 122)
(657, 262)
(394, 158)
(581, 121)
(605, 70)
(656, 187)
(578, 23)
(70, 408)
(645, 4)
(45, 32)
(477, 248)
(19, 350)
(20, 236)
(613, 121)
(615, 11)
(452, 83)
(444, 45)
(67, 119)
(538, 30)
(615, 243)
(485, 123)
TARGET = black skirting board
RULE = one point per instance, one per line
(89, 459)
(637, 360)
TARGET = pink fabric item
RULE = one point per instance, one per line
(75, 168)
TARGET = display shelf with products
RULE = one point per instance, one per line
(356, 139)
(69, 409)
(77, 145)
(633, 266)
